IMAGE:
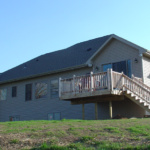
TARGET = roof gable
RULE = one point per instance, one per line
(113, 36)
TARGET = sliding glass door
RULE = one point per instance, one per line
(122, 66)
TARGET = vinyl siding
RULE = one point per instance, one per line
(146, 73)
(116, 51)
(125, 108)
(38, 109)
(146, 70)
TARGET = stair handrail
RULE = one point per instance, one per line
(142, 92)
(139, 80)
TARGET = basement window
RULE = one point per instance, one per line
(14, 118)
(54, 116)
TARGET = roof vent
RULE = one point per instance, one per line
(25, 66)
(89, 49)
(37, 59)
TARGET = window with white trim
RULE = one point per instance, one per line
(40, 90)
(14, 91)
(3, 94)
(28, 92)
(54, 88)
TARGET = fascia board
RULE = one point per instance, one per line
(44, 74)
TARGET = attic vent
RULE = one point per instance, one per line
(89, 49)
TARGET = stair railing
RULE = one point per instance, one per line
(123, 82)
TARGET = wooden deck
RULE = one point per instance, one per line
(104, 86)
(92, 85)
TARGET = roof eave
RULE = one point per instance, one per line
(147, 54)
(44, 74)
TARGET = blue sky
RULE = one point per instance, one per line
(29, 28)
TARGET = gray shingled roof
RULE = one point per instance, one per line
(75, 55)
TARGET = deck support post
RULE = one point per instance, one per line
(59, 87)
(110, 109)
(83, 114)
(96, 112)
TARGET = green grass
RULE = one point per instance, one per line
(102, 146)
(76, 134)
(14, 141)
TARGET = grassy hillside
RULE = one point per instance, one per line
(76, 134)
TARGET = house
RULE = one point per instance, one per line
(95, 79)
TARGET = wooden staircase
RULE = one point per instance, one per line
(135, 90)
(137, 100)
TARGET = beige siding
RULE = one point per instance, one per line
(117, 51)
(146, 73)
(146, 70)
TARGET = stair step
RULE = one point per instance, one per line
(136, 98)
(146, 104)
(132, 95)
(141, 101)
(128, 92)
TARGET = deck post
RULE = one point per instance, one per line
(83, 114)
(110, 109)
(60, 87)
(92, 84)
(73, 86)
(108, 79)
(111, 80)
(122, 81)
(96, 112)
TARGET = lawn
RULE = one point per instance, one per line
(76, 135)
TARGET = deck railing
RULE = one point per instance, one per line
(136, 86)
(87, 83)
(109, 80)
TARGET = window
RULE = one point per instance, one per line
(129, 68)
(40, 90)
(107, 66)
(122, 66)
(54, 116)
(28, 92)
(3, 94)
(14, 91)
(14, 118)
(54, 88)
